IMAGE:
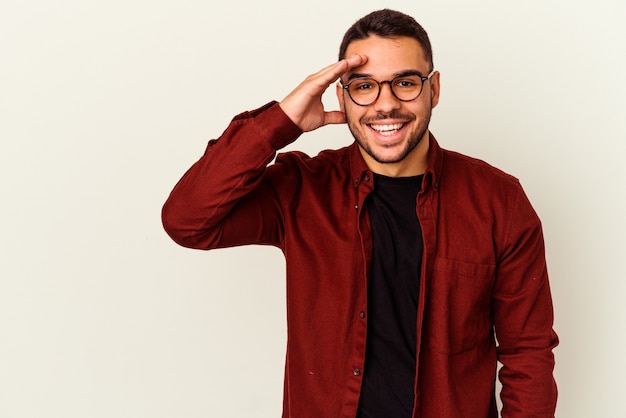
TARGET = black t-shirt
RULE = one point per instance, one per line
(393, 289)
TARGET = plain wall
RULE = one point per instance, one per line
(104, 105)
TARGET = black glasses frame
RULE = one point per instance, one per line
(424, 79)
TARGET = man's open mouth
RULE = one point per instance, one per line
(387, 129)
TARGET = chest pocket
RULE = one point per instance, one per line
(458, 310)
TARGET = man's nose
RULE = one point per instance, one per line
(386, 99)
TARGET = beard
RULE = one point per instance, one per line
(414, 137)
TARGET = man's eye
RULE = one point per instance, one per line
(362, 86)
(404, 83)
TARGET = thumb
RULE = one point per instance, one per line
(334, 117)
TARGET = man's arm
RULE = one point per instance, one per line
(222, 200)
(231, 168)
(523, 317)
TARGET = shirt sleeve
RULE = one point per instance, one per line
(224, 199)
(523, 317)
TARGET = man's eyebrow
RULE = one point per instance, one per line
(408, 72)
(358, 75)
(398, 74)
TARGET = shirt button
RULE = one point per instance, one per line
(362, 314)
(356, 372)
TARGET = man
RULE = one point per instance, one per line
(404, 261)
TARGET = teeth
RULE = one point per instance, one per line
(387, 129)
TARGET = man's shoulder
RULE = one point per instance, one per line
(474, 183)
(465, 166)
(329, 159)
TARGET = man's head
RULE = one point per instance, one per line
(388, 100)
(387, 24)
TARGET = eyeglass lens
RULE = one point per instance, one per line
(365, 91)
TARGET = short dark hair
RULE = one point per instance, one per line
(387, 23)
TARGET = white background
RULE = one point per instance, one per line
(104, 105)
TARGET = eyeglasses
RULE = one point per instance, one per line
(406, 87)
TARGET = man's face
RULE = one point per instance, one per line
(392, 134)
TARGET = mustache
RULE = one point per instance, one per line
(394, 114)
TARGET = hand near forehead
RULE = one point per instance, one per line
(304, 104)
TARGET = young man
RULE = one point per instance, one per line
(404, 261)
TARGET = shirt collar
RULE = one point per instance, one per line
(434, 162)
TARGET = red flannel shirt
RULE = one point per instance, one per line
(483, 273)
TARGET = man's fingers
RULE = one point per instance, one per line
(331, 73)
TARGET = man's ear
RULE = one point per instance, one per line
(435, 86)
(340, 97)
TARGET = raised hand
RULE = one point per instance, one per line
(304, 104)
